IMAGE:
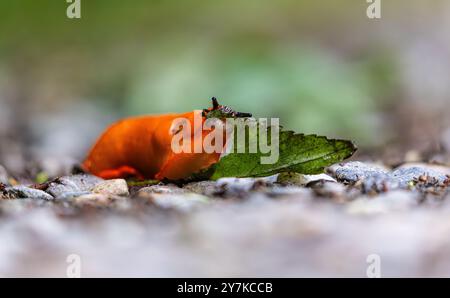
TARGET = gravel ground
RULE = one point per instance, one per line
(289, 225)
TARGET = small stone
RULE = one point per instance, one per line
(23, 192)
(311, 179)
(236, 185)
(207, 188)
(179, 202)
(240, 186)
(96, 199)
(289, 190)
(161, 189)
(71, 195)
(407, 174)
(444, 170)
(73, 184)
(11, 207)
(354, 171)
(300, 179)
(379, 182)
(117, 187)
(329, 189)
(376, 179)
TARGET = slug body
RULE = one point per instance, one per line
(140, 147)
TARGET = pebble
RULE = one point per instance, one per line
(380, 183)
(115, 187)
(93, 200)
(236, 185)
(329, 189)
(71, 195)
(401, 178)
(161, 189)
(207, 188)
(272, 185)
(81, 184)
(290, 190)
(302, 180)
(354, 171)
(378, 179)
(23, 192)
(242, 186)
(443, 170)
(180, 202)
(14, 207)
(407, 174)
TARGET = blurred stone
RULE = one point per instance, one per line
(322, 178)
(14, 207)
(328, 189)
(290, 190)
(406, 175)
(82, 184)
(207, 188)
(161, 189)
(380, 182)
(95, 199)
(23, 192)
(300, 179)
(377, 179)
(354, 171)
(403, 177)
(180, 202)
(242, 186)
(72, 195)
(116, 187)
(393, 201)
(437, 170)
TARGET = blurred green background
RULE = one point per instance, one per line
(320, 66)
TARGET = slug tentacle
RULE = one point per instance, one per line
(221, 112)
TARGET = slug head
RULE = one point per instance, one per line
(222, 112)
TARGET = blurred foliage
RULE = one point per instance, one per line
(281, 59)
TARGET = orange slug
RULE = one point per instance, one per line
(140, 147)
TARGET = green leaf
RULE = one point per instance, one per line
(306, 154)
(298, 153)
